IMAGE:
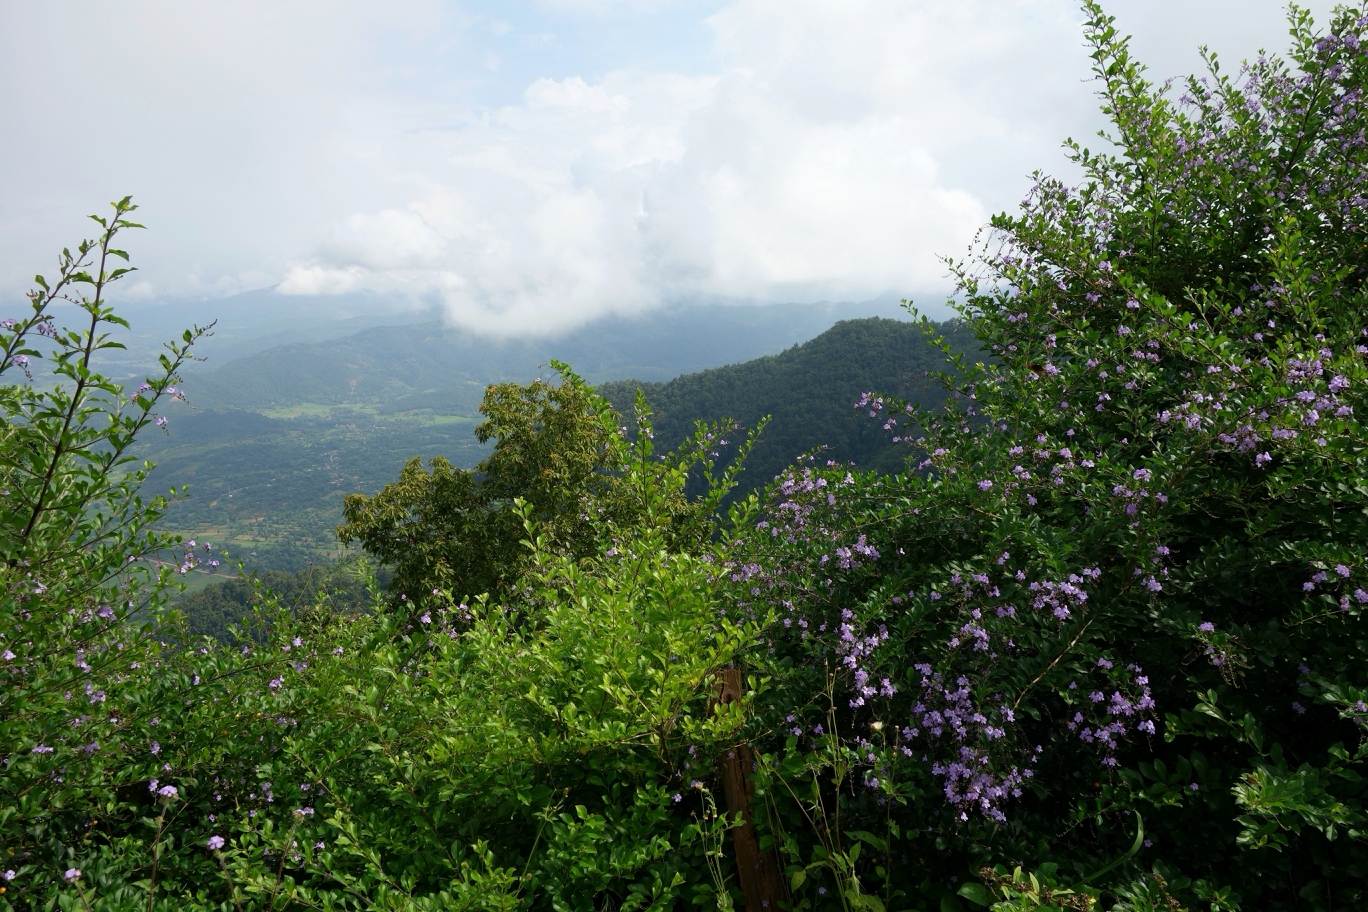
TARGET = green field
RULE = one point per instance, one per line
(268, 490)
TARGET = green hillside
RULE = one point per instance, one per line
(433, 366)
(275, 441)
(270, 488)
(809, 392)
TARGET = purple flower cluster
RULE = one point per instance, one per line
(1065, 597)
(1111, 715)
(853, 650)
(947, 716)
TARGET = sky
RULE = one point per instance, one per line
(529, 165)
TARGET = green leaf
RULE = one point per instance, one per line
(977, 894)
(950, 903)
(868, 838)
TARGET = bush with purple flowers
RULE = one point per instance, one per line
(1124, 560)
(1101, 645)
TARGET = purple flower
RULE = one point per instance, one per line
(41, 749)
(72, 875)
(1206, 627)
(1342, 570)
(167, 791)
(1298, 708)
(985, 485)
(215, 843)
(8, 875)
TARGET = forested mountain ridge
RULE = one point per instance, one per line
(437, 367)
(271, 489)
(808, 392)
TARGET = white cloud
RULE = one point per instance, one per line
(602, 7)
(810, 167)
(816, 150)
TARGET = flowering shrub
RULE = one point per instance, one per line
(1102, 645)
(1126, 572)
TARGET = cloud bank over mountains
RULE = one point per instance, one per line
(531, 166)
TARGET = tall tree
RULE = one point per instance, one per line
(560, 453)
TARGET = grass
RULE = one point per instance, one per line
(421, 417)
(321, 410)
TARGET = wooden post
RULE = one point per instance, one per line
(761, 881)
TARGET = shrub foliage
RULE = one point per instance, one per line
(1100, 645)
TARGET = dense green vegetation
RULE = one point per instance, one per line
(270, 488)
(348, 585)
(1101, 645)
(808, 393)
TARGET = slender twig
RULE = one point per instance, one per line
(156, 856)
(232, 887)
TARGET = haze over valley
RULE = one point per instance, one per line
(269, 443)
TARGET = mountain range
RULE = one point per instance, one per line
(432, 366)
(273, 442)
